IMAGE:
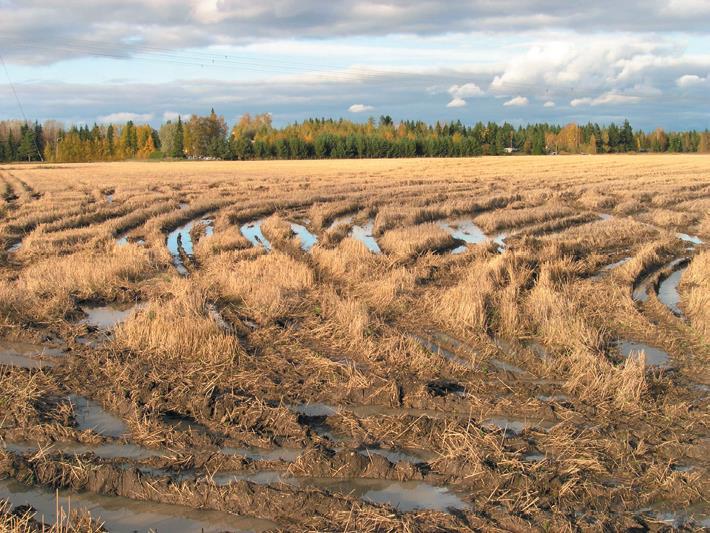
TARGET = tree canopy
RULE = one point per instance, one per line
(255, 137)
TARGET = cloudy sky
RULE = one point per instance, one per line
(514, 60)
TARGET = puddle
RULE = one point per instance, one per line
(683, 468)
(465, 230)
(640, 292)
(615, 264)
(364, 235)
(654, 356)
(308, 240)
(510, 426)
(610, 267)
(507, 367)
(109, 198)
(183, 205)
(438, 350)
(314, 409)
(265, 477)
(553, 397)
(668, 291)
(90, 415)
(123, 240)
(501, 344)
(407, 455)
(365, 411)
(14, 247)
(500, 241)
(127, 515)
(25, 355)
(509, 349)
(534, 457)
(536, 348)
(403, 495)
(605, 216)
(108, 316)
(180, 238)
(693, 239)
(264, 454)
(319, 410)
(252, 232)
(669, 514)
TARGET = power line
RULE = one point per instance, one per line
(19, 105)
(274, 66)
(97, 50)
(164, 55)
(360, 74)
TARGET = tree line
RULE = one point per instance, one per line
(254, 137)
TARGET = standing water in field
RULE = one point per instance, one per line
(180, 241)
(500, 241)
(693, 239)
(264, 454)
(640, 293)
(25, 355)
(668, 291)
(403, 495)
(364, 235)
(90, 415)
(107, 316)
(611, 266)
(464, 230)
(252, 232)
(407, 455)
(124, 514)
(308, 240)
(436, 349)
(654, 356)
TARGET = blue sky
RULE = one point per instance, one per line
(82, 61)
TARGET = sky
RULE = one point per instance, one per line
(86, 61)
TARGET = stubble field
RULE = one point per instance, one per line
(500, 344)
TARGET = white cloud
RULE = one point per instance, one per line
(549, 103)
(467, 90)
(605, 99)
(457, 102)
(460, 92)
(170, 115)
(360, 108)
(58, 32)
(690, 80)
(125, 116)
(516, 101)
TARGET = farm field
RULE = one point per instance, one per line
(500, 344)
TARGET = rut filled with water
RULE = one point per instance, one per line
(179, 242)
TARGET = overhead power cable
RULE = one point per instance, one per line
(19, 105)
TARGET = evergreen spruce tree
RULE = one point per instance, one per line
(178, 141)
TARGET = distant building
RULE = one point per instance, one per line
(510, 150)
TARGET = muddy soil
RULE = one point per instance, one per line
(549, 374)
